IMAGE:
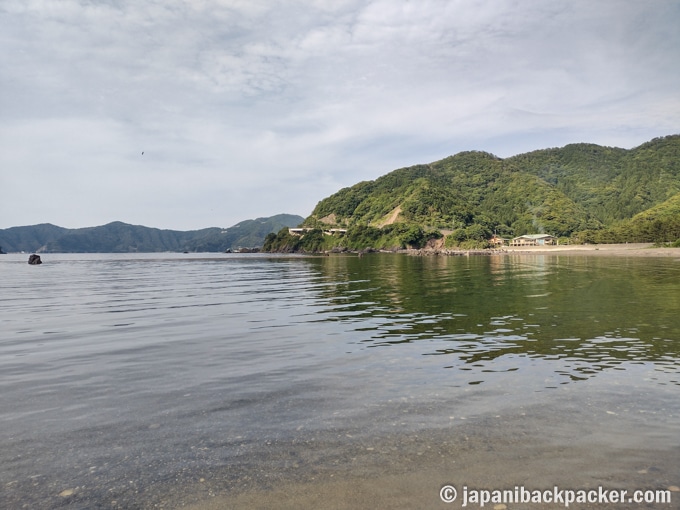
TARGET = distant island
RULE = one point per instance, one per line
(118, 237)
(581, 193)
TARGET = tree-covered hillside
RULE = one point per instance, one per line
(246, 234)
(469, 196)
(659, 224)
(611, 184)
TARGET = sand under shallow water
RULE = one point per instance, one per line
(536, 449)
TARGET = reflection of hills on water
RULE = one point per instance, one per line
(490, 314)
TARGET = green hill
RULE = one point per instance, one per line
(17, 239)
(659, 224)
(468, 188)
(611, 184)
(469, 196)
(118, 237)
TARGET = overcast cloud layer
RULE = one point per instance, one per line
(247, 108)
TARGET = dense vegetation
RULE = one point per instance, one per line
(357, 237)
(582, 192)
(120, 237)
(660, 224)
(612, 184)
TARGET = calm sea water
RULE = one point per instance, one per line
(134, 381)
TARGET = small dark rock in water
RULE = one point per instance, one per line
(34, 260)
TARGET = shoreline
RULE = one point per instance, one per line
(617, 250)
(614, 250)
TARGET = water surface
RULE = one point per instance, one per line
(134, 381)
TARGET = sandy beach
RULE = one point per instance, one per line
(608, 250)
(613, 250)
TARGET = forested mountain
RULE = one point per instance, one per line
(120, 237)
(659, 224)
(29, 238)
(611, 184)
(246, 234)
(469, 196)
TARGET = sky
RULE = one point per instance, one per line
(186, 114)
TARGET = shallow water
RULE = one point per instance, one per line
(159, 380)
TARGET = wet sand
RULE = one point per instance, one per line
(498, 468)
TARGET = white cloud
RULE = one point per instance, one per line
(250, 108)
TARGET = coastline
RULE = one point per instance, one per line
(609, 250)
(618, 250)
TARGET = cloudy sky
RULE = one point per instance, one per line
(249, 108)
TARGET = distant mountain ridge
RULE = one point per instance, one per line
(118, 237)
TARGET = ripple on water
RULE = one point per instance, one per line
(156, 368)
